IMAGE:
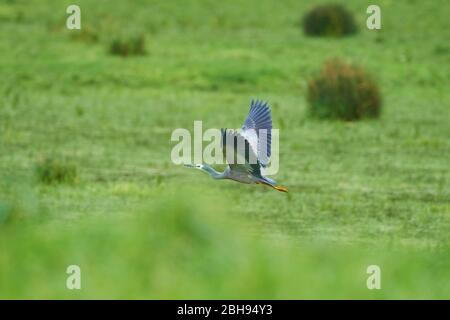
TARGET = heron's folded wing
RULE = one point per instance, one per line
(238, 153)
(257, 130)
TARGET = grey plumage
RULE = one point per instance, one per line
(247, 151)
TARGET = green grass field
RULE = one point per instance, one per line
(361, 193)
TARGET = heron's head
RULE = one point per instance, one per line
(196, 166)
(206, 168)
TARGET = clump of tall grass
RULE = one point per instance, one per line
(86, 34)
(56, 171)
(329, 20)
(343, 91)
(128, 46)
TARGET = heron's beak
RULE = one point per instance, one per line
(189, 165)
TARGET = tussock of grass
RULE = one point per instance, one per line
(128, 46)
(343, 91)
(55, 171)
(329, 20)
(86, 34)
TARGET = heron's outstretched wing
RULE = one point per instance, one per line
(257, 130)
(239, 154)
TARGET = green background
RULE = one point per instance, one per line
(360, 193)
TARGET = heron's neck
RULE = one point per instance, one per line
(213, 173)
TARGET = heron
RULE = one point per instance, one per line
(255, 139)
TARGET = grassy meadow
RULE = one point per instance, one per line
(86, 176)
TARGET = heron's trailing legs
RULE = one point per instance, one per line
(279, 188)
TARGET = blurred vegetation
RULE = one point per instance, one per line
(86, 34)
(365, 192)
(56, 171)
(5, 212)
(184, 245)
(128, 46)
(329, 20)
(343, 91)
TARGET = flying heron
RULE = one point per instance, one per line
(252, 145)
